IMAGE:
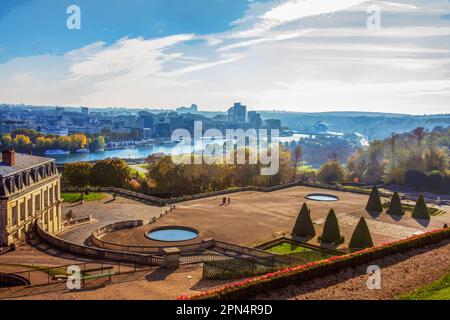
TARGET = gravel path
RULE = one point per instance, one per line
(106, 211)
(400, 273)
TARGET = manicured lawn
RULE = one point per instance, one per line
(439, 290)
(74, 197)
(304, 255)
(287, 248)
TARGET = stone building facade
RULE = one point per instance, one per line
(29, 189)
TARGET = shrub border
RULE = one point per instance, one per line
(275, 280)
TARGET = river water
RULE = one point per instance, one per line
(141, 152)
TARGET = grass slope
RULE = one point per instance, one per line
(439, 290)
(74, 197)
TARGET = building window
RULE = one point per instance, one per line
(51, 215)
(51, 195)
(15, 215)
(22, 211)
(45, 199)
(30, 207)
(37, 202)
(56, 193)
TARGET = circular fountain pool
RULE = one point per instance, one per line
(172, 234)
(321, 197)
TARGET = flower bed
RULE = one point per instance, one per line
(282, 278)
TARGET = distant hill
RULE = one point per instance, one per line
(374, 125)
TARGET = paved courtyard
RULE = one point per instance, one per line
(255, 217)
(106, 211)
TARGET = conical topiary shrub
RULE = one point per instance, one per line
(420, 210)
(304, 226)
(395, 208)
(361, 237)
(331, 232)
(374, 203)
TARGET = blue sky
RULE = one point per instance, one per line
(39, 26)
(299, 55)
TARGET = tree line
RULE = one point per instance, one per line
(418, 159)
(166, 177)
(24, 140)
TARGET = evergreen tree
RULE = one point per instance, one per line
(331, 232)
(420, 210)
(361, 237)
(304, 226)
(395, 208)
(374, 203)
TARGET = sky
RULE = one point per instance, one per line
(293, 55)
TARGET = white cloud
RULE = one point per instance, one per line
(304, 55)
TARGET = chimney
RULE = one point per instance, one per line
(9, 157)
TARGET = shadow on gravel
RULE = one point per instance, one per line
(159, 274)
(374, 214)
(423, 222)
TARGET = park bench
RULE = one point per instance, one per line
(84, 277)
(96, 276)
(108, 274)
(59, 277)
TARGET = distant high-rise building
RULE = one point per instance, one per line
(237, 113)
(85, 111)
(254, 118)
(145, 120)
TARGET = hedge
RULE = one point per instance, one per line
(304, 226)
(331, 232)
(361, 238)
(297, 274)
(395, 207)
(420, 210)
(374, 203)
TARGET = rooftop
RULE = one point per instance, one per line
(23, 162)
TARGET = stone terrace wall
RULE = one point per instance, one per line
(157, 250)
(164, 202)
(96, 253)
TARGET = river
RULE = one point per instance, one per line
(141, 152)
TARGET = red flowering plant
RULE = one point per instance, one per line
(429, 237)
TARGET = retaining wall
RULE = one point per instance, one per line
(96, 253)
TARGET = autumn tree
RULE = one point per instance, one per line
(331, 172)
(297, 155)
(77, 174)
(110, 173)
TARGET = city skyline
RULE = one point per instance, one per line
(305, 56)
